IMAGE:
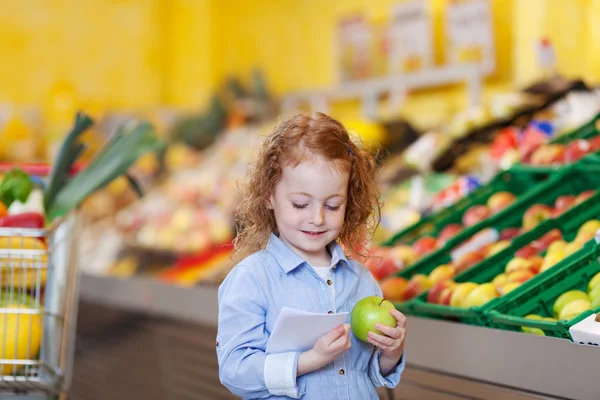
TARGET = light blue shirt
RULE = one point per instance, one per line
(250, 300)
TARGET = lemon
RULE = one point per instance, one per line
(20, 337)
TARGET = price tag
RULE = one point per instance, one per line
(410, 44)
(470, 34)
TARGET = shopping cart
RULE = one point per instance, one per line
(39, 278)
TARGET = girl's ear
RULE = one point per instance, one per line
(269, 202)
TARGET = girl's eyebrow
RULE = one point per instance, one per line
(308, 195)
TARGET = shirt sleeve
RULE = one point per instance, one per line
(244, 368)
(392, 379)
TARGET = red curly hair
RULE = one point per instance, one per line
(294, 140)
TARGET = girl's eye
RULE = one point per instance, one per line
(299, 206)
(333, 208)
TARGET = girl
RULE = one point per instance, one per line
(311, 191)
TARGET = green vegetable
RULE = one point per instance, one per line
(127, 144)
(16, 185)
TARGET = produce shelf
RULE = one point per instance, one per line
(539, 367)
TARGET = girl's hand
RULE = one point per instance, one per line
(391, 342)
(325, 350)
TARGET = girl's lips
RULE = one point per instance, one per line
(313, 234)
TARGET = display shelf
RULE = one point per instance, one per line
(532, 364)
(369, 90)
(153, 297)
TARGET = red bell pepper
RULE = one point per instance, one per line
(25, 220)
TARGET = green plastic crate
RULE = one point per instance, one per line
(539, 297)
(586, 131)
(574, 180)
(516, 182)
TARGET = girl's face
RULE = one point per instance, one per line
(309, 203)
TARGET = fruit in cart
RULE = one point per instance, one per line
(497, 247)
(435, 293)
(549, 154)
(393, 288)
(594, 295)
(557, 247)
(425, 245)
(519, 263)
(587, 231)
(460, 293)
(576, 150)
(534, 331)
(499, 201)
(369, 312)
(22, 335)
(520, 276)
(543, 242)
(442, 273)
(563, 203)
(507, 288)
(481, 295)
(448, 232)
(574, 309)
(404, 255)
(418, 284)
(595, 281)
(573, 248)
(536, 214)
(568, 297)
(468, 260)
(381, 264)
(551, 259)
(526, 251)
(500, 280)
(3, 210)
(595, 303)
(475, 214)
(446, 296)
(581, 197)
(509, 233)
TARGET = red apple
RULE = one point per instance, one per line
(581, 197)
(475, 214)
(549, 154)
(536, 214)
(595, 144)
(446, 295)
(436, 291)
(448, 232)
(526, 251)
(576, 150)
(425, 245)
(562, 204)
(468, 260)
(509, 233)
(417, 285)
(393, 288)
(542, 243)
(499, 201)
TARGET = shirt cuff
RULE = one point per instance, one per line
(392, 379)
(280, 374)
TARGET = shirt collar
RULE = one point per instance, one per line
(288, 260)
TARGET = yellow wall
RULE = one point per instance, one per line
(143, 53)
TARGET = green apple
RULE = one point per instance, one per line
(594, 293)
(595, 281)
(567, 298)
(574, 309)
(367, 313)
(535, 331)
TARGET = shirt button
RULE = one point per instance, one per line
(342, 372)
(329, 282)
(329, 312)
